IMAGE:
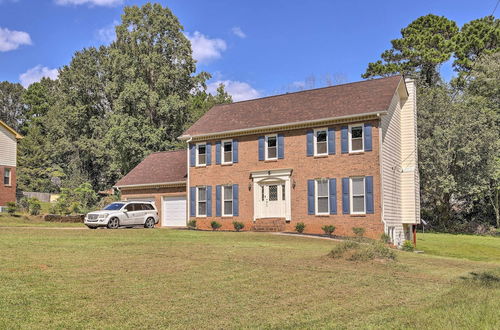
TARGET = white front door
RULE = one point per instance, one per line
(174, 211)
(272, 201)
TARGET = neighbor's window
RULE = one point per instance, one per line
(356, 138)
(320, 145)
(357, 195)
(201, 151)
(227, 147)
(227, 193)
(322, 206)
(6, 176)
(202, 201)
(271, 147)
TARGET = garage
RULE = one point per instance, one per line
(174, 211)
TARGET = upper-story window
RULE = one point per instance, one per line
(322, 201)
(320, 142)
(271, 147)
(227, 193)
(6, 177)
(358, 195)
(227, 149)
(356, 138)
(201, 154)
(201, 209)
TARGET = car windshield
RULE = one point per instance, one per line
(114, 206)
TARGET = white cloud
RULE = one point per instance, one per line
(204, 48)
(107, 34)
(36, 74)
(240, 91)
(238, 32)
(108, 3)
(10, 40)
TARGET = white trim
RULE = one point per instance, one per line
(5, 171)
(351, 194)
(280, 176)
(197, 155)
(315, 141)
(222, 151)
(265, 145)
(139, 185)
(223, 200)
(362, 137)
(198, 201)
(316, 196)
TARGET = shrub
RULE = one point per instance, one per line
(339, 250)
(408, 246)
(11, 208)
(24, 204)
(215, 225)
(299, 227)
(238, 225)
(358, 231)
(384, 238)
(192, 224)
(34, 206)
(354, 251)
(328, 229)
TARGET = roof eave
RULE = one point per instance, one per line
(150, 185)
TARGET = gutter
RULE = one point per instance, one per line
(140, 185)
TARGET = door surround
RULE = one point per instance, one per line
(269, 176)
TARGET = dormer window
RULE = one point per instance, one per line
(201, 154)
(356, 138)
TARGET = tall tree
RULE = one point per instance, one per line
(11, 107)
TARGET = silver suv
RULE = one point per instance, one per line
(125, 214)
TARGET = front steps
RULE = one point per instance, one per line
(269, 224)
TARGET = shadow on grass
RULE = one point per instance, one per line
(483, 278)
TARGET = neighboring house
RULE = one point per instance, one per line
(344, 155)
(8, 160)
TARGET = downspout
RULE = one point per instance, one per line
(381, 170)
(188, 199)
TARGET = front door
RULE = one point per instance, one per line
(272, 200)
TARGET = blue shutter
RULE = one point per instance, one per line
(367, 132)
(209, 201)
(344, 139)
(281, 146)
(235, 151)
(261, 148)
(331, 141)
(217, 152)
(209, 153)
(333, 196)
(310, 147)
(345, 196)
(310, 196)
(235, 200)
(218, 209)
(192, 201)
(369, 194)
(192, 154)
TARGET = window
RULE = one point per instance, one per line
(271, 147)
(227, 149)
(201, 154)
(356, 138)
(320, 142)
(202, 202)
(129, 207)
(227, 193)
(322, 206)
(6, 176)
(282, 192)
(114, 206)
(357, 195)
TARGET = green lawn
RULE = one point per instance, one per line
(138, 278)
(32, 221)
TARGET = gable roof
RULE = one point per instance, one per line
(11, 130)
(158, 168)
(356, 98)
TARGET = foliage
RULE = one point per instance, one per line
(31, 205)
(384, 238)
(300, 227)
(11, 207)
(354, 251)
(341, 248)
(328, 229)
(358, 231)
(192, 224)
(11, 107)
(238, 226)
(215, 225)
(408, 246)
(76, 200)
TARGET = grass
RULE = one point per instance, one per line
(20, 220)
(137, 278)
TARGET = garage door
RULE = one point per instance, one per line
(174, 211)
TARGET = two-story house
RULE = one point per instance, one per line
(8, 159)
(343, 155)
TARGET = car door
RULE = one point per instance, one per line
(140, 214)
(128, 218)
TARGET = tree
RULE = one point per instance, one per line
(426, 43)
(11, 107)
(201, 102)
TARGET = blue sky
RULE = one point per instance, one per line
(256, 47)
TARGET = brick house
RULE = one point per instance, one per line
(343, 155)
(8, 160)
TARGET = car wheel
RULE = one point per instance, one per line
(150, 223)
(113, 223)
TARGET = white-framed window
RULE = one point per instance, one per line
(356, 141)
(227, 152)
(201, 201)
(322, 197)
(227, 199)
(357, 190)
(271, 147)
(7, 177)
(201, 154)
(320, 142)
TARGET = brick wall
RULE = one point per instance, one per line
(7, 193)
(304, 168)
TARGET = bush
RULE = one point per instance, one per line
(358, 231)
(339, 250)
(238, 225)
(11, 208)
(215, 225)
(24, 204)
(354, 251)
(34, 206)
(384, 238)
(192, 224)
(328, 229)
(408, 246)
(299, 227)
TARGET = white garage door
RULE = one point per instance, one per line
(174, 211)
